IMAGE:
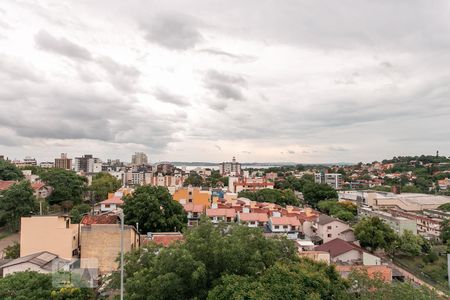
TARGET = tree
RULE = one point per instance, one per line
(344, 210)
(154, 209)
(373, 233)
(445, 231)
(8, 171)
(102, 184)
(445, 207)
(280, 197)
(409, 244)
(194, 179)
(36, 286)
(12, 251)
(16, 202)
(314, 192)
(77, 212)
(67, 185)
(218, 262)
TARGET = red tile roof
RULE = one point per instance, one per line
(100, 219)
(221, 212)
(191, 207)
(6, 184)
(260, 217)
(293, 221)
(337, 247)
(383, 271)
(113, 200)
(37, 185)
(167, 239)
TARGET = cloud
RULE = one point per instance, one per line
(234, 57)
(123, 77)
(167, 97)
(290, 152)
(218, 147)
(172, 30)
(338, 148)
(18, 69)
(61, 46)
(225, 86)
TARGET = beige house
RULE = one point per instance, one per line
(100, 242)
(53, 234)
(41, 262)
(342, 252)
(326, 228)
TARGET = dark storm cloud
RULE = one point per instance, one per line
(61, 46)
(172, 30)
(167, 97)
(225, 86)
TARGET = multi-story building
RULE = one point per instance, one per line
(27, 162)
(236, 184)
(63, 162)
(87, 164)
(332, 179)
(165, 168)
(139, 158)
(46, 164)
(232, 168)
(325, 228)
(427, 226)
(397, 223)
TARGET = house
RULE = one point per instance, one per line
(100, 241)
(41, 262)
(342, 252)
(319, 256)
(41, 190)
(54, 234)
(383, 272)
(164, 239)
(111, 204)
(194, 212)
(325, 228)
(253, 219)
(284, 224)
(6, 184)
(192, 195)
(221, 214)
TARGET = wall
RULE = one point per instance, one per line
(48, 233)
(336, 228)
(22, 268)
(348, 256)
(370, 260)
(102, 242)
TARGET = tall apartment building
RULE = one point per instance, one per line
(87, 164)
(139, 158)
(232, 168)
(63, 162)
(332, 179)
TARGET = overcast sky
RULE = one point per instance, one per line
(205, 80)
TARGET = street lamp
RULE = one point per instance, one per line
(121, 254)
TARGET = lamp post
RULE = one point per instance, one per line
(121, 254)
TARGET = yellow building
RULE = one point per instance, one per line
(54, 234)
(192, 195)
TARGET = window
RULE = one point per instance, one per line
(276, 226)
(285, 226)
(329, 235)
(328, 227)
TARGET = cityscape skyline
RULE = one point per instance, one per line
(202, 80)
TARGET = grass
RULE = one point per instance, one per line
(434, 273)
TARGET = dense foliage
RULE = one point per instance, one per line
(77, 212)
(227, 263)
(374, 234)
(67, 185)
(8, 171)
(102, 184)
(36, 286)
(154, 209)
(294, 183)
(12, 251)
(281, 197)
(16, 202)
(313, 193)
(345, 211)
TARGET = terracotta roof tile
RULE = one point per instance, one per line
(293, 221)
(221, 212)
(337, 247)
(260, 217)
(6, 184)
(100, 219)
(113, 200)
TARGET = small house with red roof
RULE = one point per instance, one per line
(41, 190)
(194, 212)
(111, 204)
(342, 252)
(253, 219)
(221, 215)
(284, 224)
(6, 184)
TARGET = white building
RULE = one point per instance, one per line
(332, 179)
(326, 228)
(232, 168)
